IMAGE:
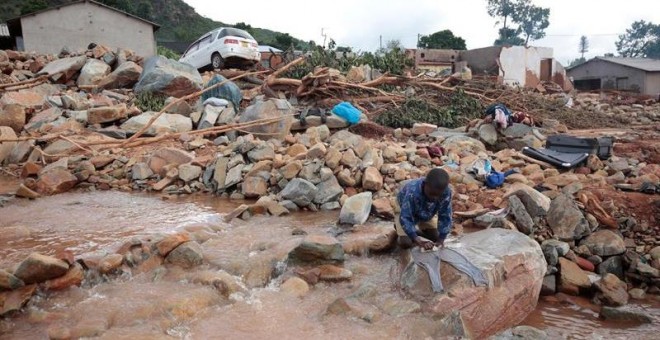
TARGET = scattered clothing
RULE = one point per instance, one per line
(430, 261)
(435, 151)
(347, 111)
(217, 102)
(495, 179)
(502, 117)
(416, 208)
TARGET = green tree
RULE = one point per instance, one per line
(344, 49)
(641, 40)
(584, 46)
(442, 40)
(532, 20)
(145, 10)
(518, 17)
(244, 26)
(283, 41)
(32, 6)
(577, 62)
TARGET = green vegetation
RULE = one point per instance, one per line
(392, 60)
(442, 40)
(641, 40)
(167, 53)
(148, 101)
(460, 109)
(178, 20)
(531, 20)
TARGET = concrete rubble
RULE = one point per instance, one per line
(68, 132)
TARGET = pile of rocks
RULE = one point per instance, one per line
(627, 114)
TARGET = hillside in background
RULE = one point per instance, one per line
(178, 20)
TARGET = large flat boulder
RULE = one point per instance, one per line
(125, 76)
(93, 72)
(514, 274)
(280, 110)
(168, 77)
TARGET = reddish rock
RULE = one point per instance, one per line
(423, 152)
(585, 264)
(572, 278)
(310, 276)
(383, 207)
(73, 277)
(254, 187)
(56, 181)
(370, 238)
(612, 291)
(14, 116)
(25, 192)
(583, 170)
(110, 263)
(423, 129)
(106, 114)
(295, 286)
(329, 272)
(515, 275)
(372, 179)
(15, 300)
(125, 76)
(38, 268)
(166, 245)
(66, 256)
(26, 99)
(165, 156)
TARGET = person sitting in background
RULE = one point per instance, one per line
(424, 203)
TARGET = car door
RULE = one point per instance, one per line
(191, 53)
(203, 55)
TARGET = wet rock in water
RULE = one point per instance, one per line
(254, 187)
(356, 209)
(223, 281)
(524, 222)
(488, 134)
(38, 268)
(318, 248)
(328, 191)
(566, 220)
(9, 281)
(535, 202)
(612, 265)
(295, 286)
(637, 293)
(572, 278)
(549, 286)
(26, 192)
(110, 263)
(604, 243)
(394, 305)
(170, 242)
(236, 212)
(521, 333)
(272, 108)
(372, 179)
(73, 277)
(370, 238)
(562, 247)
(328, 272)
(15, 300)
(612, 291)
(299, 191)
(512, 293)
(186, 255)
(330, 206)
(625, 314)
(168, 77)
(353, 308)
(93, 72)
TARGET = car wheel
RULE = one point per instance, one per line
(216, 61)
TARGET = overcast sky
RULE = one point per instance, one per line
(360, 23)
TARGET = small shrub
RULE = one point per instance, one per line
(148, 101)
(167, 53)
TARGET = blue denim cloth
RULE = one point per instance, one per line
(415, 207)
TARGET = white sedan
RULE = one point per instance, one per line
(222, 46)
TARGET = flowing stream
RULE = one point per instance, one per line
(163, 304)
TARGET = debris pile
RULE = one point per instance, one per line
(100, 121)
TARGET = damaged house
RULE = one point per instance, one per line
(77, 24)
(512, 65)
(640, 75)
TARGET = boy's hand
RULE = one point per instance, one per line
(423, 243)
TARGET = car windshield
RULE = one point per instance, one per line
(238, 33)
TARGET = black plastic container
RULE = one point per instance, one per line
(602, 147)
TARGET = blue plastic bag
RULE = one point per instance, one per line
(495, 179)
(348, 112)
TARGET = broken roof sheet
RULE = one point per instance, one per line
(646, 64)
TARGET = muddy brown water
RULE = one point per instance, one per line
(162, 304)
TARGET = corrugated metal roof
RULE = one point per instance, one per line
(646, 64)
(4, 30)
